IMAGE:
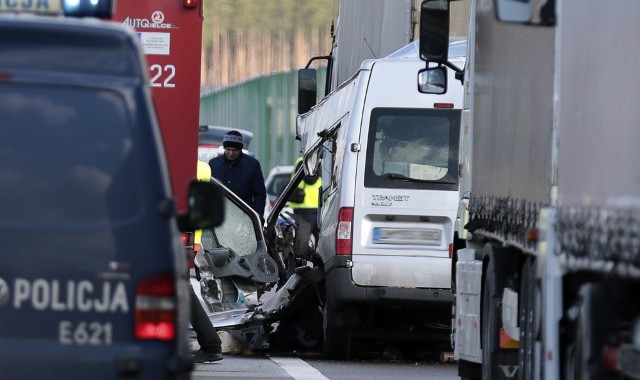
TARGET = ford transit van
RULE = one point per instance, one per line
(389, 157)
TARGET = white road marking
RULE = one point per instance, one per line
(299, 369)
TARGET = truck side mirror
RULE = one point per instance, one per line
(433, 80)
(434, 31)
(307, 90)
(205, 207)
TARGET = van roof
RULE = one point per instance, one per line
(457, 49)
(457, 53)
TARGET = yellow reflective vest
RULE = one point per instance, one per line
(203, 173)
(311, 192)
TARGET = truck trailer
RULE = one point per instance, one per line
(545, 287)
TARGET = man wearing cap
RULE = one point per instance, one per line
(241, 173)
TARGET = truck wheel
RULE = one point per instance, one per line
(490, 321)
(337, 341)
(527, 324)
(489, 325)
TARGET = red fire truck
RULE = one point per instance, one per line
(170, 32)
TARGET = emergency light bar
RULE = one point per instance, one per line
(70, 8)
(88, 8)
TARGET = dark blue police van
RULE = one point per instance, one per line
(93, 276)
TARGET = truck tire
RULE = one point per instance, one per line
(499, 267)
(490, 323)
(337, 341)
(526, 316)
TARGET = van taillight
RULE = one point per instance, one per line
(156, 308)
(344, 231)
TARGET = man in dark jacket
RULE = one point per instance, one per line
(239, 172)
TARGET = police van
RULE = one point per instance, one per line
(93, 277)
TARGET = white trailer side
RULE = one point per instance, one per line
(546, 286)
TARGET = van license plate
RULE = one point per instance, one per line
(383, 235)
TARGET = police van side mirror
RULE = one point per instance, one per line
(205, 207)
(434, 30)
(307, 89)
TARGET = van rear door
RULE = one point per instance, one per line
(406, 193)
(408, 204)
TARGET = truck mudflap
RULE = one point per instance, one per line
(506, 364)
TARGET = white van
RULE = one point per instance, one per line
(389, 157)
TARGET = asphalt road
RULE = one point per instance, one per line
(299, 367)
(393, 363)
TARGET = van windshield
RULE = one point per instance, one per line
(65, 155)
(413, 148)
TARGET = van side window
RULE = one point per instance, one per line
(412, 146)
(328, 162)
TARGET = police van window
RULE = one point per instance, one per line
(413, 148)
(55, 53)
(65, 155)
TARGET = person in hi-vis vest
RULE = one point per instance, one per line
(304, 201)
